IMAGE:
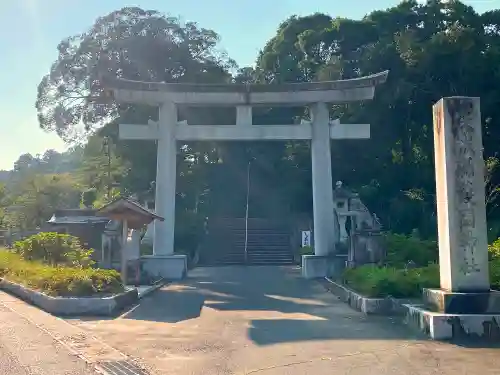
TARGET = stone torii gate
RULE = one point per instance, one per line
(320, 131)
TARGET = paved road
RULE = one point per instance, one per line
(270, 321)
(26, 350)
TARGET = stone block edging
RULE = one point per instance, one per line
(441, 326)
(97, 306)
(373, 306)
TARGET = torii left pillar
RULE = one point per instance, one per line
(164, 261)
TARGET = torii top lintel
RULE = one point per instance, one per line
(155, 93)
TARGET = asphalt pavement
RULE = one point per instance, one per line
(270, 321)
(27, 350)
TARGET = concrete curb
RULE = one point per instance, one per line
(97, 354)
(369, 306)
(94, 306)
(151, 289)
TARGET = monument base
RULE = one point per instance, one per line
(442, 326)
(169, 267)
(317, 266)
(442, 301)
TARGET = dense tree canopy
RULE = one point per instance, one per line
(441, 48)
(130, 43)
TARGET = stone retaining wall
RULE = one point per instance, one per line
(72, 305)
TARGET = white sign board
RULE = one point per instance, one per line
(306, 238)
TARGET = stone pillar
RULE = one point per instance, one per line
(165, 181)
(324, 222)
(464, 306)
(164, 263)
(326, 228)
(463, 246)
(458, 149)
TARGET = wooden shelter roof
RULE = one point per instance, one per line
(130, 210)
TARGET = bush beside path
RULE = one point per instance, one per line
(411, 265)
(57, 265)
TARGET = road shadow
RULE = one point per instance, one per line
(266, 289)
(276, 331)
(474, 343)
(318, 314)
(168, 306)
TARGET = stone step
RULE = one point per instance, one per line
(249, 262)
(251, 236)
(251, 226)
(270, 263)
(253, 244)
(267, 242)
(241, 246)
(259, 239)
(270, 236)
(278, 254)
(266, 247)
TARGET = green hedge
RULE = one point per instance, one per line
(373, 281)
(57, 280)
(402, 250)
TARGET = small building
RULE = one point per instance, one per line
(82, 223)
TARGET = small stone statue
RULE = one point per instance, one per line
(132, 255)
(410, 265)
(132, 247)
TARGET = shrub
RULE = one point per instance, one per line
(54, 249)
(494, 250)
(495, 274)
(402, 250)
(189, 232)
(494, 257)
(59, 281)
(89, 197)
(373, 281)
(146, 249)
(396, 281)
(306, 250)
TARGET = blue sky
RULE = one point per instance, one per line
(31, 29)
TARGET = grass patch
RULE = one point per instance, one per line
(59, 280)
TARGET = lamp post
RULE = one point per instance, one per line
(246, 208)
(107, 152)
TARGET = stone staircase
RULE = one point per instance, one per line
(224, 244)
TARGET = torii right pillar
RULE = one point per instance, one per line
(325, 230)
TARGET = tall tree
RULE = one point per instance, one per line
(129, 43)
(441, 48)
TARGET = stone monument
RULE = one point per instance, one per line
(464, 305)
